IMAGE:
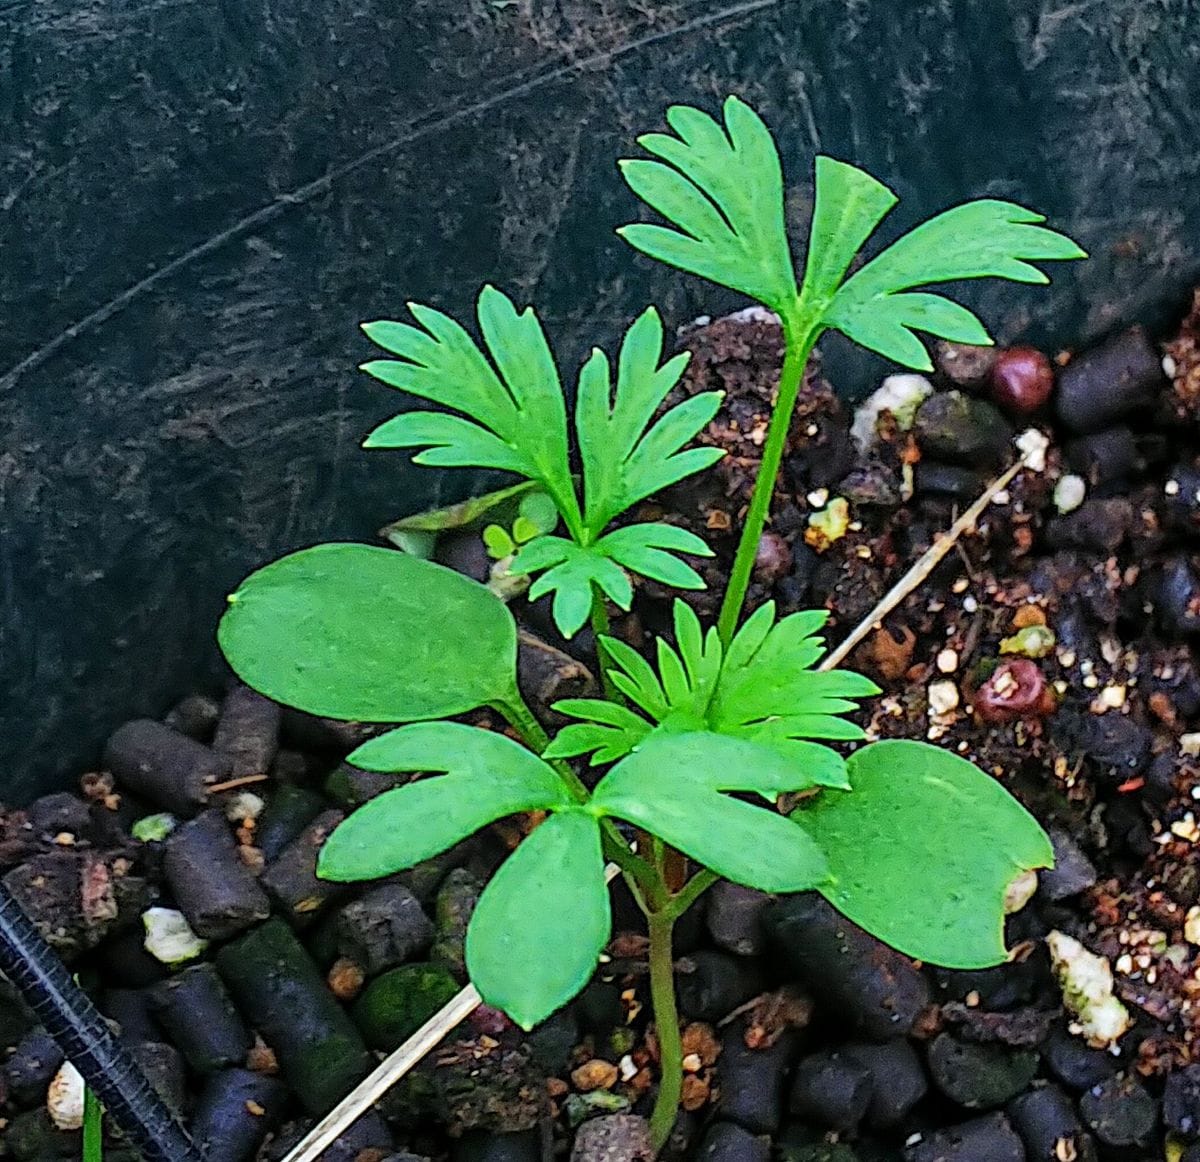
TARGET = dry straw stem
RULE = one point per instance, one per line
(431, 1034)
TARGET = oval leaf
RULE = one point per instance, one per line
(539, 927)
(369, 635)
(922, 851)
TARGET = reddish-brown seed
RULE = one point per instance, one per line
(1022, 379)
(1015, 690)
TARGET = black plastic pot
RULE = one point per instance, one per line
(200, 201)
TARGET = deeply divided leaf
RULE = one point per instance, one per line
(721, 188)
(672, 787)
(370, 635)
(627, 455)
(490, 776)
(922, 851)
(508, 391)
(764, 690)
(538, 930)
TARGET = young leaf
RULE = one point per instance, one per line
(723, 188)
(648, 550)
(573, 574)
(984, 238)
(625, 457)
(538, 930)
(671, 786)
(369, 635)
(763, 691)
(512, 396)
(610, 731)
(496, 507)
(923, 850)
(490, 776)
(724, 192)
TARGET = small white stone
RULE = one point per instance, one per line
(1168, 366)
(1189, 745)
(169, 937)
(244, 805)
(65, 1098)
(1086, 981)
(899, 394)
(943, 697)
(1069, 492)
(1191, 925)
(752, 314)
(1112, 697)
(1171, 488)
(947, 661)
(1001, 498)
(1033, 445)
(970, 605)
(818, 498)
(627, 1068)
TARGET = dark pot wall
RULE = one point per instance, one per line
(199, 201)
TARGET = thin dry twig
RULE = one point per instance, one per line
(921, 569)
(429, 1035)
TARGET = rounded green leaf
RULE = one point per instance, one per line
(369, 635)
(922, 851)
(490, 777)
(538, 930)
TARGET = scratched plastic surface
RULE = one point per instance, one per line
(200, 199)
(82, 1033)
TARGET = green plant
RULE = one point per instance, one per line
(93, 1127)
(514, 419)
(721, 188)
(914, 843)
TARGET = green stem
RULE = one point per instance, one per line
(522, 720)
(801, 337)
(93, 1127)
(666, 1024)
(600, 628)
(691, 892)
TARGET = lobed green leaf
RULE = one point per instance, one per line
(671, 786)
(721, 187)
(490, 776)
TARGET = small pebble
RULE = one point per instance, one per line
(979, 1075)
(1046, 1120)
(986, 1139)
(595, 1074)
(1069, 493)
(169, 937)
(64, 1098)
(1181, 1101)
(613, 1138)
(943, 698)
(727, 1142)
(1119, 1112)
(831, 1090)
(733, 917)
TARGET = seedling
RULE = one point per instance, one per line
(913, 843)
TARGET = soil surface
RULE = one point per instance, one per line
(1054, 646)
